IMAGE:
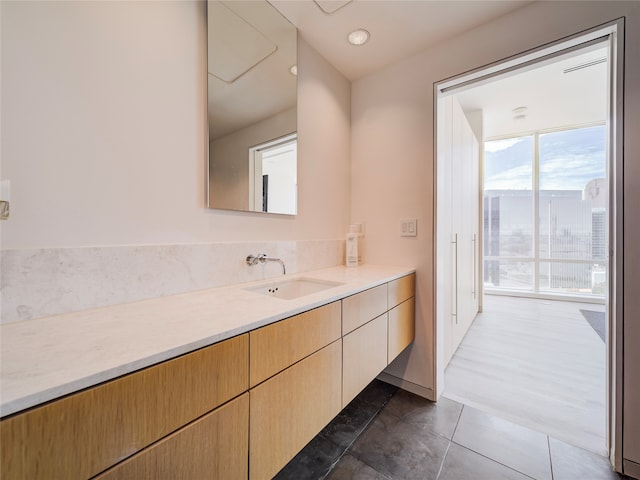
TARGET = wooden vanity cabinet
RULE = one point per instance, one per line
(83, 434)
(401, 328)
(364, 357)
(377, 325)
(296, 374)
(214, 447)
(401, 300)
(303, 391)
(281, 344)
(400, 290)
(364, 325)
(289, 409)
(363, 307)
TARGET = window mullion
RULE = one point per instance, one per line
(536, 213)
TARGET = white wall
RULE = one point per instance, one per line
(393, 160)
(104, 141)
(104, 135)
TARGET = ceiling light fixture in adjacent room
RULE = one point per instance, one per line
(519, 113)
(359, 37)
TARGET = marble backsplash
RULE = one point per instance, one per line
(44, 282)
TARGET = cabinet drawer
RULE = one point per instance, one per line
(364, 357)
(362, 307)
(401, 328)
(401, 289)
(288, 410)
(279, 345)
(214, 446)
(85, 433)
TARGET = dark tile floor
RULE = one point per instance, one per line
(391, 434)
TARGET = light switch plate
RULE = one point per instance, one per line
(5, 199)
(408, 227)
(359, 227)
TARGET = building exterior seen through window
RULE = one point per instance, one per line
(545, 212)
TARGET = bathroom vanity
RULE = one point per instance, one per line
(223, 383)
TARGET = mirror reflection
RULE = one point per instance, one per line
(252, 93)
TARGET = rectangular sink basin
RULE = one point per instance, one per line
(295, 288)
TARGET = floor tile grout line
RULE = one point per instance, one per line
(515, 422)
(361, 460)
(380, 407)
(373, 417)
(444, 459)
(550, 459)
(493, 460)
(346, 449)
(403, 419)
(455, 429)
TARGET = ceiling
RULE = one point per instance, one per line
(399, 28)
(402, 28)
(250, 50)
(552, 98)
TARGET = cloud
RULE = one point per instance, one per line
(569, 159)
(571, 172)
(499, 145)
(516, 178)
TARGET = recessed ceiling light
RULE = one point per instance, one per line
(293, 70)
(358, 37)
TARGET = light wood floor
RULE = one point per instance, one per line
(537, 363)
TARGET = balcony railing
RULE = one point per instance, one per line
(565, 276)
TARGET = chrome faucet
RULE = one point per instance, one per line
(262, 258)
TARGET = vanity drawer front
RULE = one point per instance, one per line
(85, 433)
(364, 356)
(401, 289)
(279, 345)
(288, 410)
(214, 446)
(401, 328)
(362, 307)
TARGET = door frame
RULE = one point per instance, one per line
(614, 30)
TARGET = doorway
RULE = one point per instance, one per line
(273, 176)
(543, 246)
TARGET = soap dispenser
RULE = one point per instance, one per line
(353, 250)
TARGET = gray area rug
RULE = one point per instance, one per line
(596, 320)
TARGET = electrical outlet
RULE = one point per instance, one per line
(409, 227)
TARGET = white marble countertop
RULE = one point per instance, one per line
(45, 358)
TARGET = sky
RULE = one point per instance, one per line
(569, 159)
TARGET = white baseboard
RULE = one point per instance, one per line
(419, 390)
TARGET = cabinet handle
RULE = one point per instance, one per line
(475, 279)
(454, 242)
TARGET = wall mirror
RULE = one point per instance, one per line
(252, 99)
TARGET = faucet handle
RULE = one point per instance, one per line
(255, 259)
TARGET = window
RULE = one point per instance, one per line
(545, 212)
